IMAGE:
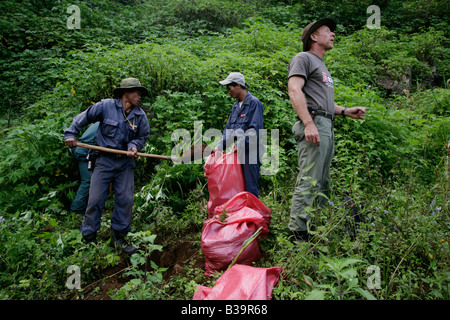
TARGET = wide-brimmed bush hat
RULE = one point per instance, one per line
(313, 26)
(130, 83)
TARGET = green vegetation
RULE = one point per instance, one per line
(394, 164)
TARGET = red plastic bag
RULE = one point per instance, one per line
(242, 283)
(225, 179)
(245, 199)
(222, 241)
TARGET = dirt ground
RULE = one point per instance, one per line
(174, 256)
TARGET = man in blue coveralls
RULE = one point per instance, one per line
(244, 124)
(123, 126)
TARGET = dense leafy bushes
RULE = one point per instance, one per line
(394, 163)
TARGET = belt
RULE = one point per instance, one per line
(314, 111)
(112, 155)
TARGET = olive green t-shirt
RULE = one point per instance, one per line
(318, 88)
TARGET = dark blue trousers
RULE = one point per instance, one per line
(250, 171)
(119, 172)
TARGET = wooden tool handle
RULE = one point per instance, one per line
(140, 154)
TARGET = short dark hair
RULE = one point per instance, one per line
(132, 90)
(234, 84)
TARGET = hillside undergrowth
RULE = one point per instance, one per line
(394, 164)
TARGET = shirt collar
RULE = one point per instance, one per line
(246, 100)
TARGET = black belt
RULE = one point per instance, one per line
(314, 111)
(112, 155)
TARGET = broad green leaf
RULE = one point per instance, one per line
(315, 295)
(366, 294)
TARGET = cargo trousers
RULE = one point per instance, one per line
(119, 172)
(314, 164)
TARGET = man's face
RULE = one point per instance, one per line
(233, 91)
(134, 97)
(324, 37)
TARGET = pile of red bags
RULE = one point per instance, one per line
(234, 215)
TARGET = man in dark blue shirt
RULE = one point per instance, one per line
(244, 125)
(123, 126)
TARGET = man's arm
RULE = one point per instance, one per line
(355, 112)
(90, 115)
(224, 141)
(298, 101)
(71, 133)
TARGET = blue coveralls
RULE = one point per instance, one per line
(116, 132)
(244, 124)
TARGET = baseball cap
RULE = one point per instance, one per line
(234, 77)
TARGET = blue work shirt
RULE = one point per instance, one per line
(115, 131)
(244, 124)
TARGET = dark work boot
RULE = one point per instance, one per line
(118, 241)
(91, 238)
(300, 236)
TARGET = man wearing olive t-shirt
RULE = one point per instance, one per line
(311, 91)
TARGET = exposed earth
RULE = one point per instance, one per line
(174, 256)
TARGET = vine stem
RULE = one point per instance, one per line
(245, 245)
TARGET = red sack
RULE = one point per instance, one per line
(242, 283)
(245, 199)
(225, 179)
(222, 241)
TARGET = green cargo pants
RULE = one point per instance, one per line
(320, 158)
